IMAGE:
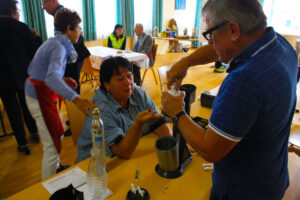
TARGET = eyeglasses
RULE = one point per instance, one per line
(208, 34)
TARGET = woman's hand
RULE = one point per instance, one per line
(147, 116)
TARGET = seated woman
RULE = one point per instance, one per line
(126, 110)
(172, 24)
(117, 40)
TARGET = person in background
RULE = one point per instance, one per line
(72, 69)
(172, 24)
(46, 83)
(248, 130)
(18, 45)
(126, 110)
(143, 44)
(117, 40)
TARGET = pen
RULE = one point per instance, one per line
(137, 173)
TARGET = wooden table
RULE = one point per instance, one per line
(195, 183)
(100, 53)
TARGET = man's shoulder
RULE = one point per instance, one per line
(147, 36)
(14, 24)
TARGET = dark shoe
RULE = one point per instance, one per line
(220, 69)
(35, 137)
(68, 132)
(61, 168)
(24, 148)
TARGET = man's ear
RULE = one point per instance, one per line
(234, 31)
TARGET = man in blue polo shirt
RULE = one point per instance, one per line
(251, 117)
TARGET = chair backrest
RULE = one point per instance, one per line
(105, 42)
(154, 50)
(76, 117)
(87, 67)
(162, 73)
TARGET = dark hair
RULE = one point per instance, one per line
(110, 67)
(7, 7)
(116, 27)
(64, 17)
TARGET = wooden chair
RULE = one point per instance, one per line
(105, 42)
(76, 119)
(154, 50)
(162, 73)
(88, 72)
(2, 112)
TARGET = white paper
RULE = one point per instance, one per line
(76, 177)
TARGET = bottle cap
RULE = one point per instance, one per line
(96, 111)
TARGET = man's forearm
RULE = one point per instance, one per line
(163, 130)
(202, 55)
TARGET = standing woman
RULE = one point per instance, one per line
(117, 40)
(18, 45)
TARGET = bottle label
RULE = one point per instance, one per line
(98, 139)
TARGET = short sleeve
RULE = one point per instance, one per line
(113, 132)
(84, 144)
(236, 108)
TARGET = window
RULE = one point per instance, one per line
(105, 12)
(75, 5)
(186, 18)
(20, 7)
(284, 16)
(143, 14)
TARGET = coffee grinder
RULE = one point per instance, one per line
(185, 156)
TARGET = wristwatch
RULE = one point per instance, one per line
(177, 116)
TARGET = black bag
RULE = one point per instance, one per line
(67, 193)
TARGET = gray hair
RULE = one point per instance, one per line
(247, 13)
(140, 26)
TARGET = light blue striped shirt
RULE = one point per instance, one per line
(117, 121)
(48, 65)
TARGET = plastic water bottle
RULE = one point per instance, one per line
(97, 130)
(96, 176)
(172, 92)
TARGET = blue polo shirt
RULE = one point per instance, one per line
(255, 107)
(116, 120)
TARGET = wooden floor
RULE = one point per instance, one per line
(18, 171)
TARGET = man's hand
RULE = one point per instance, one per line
(171, 105)
(294, 149)
(200, 56)
(176, 73)
(71, 82)
(147, 116)
(84, 104)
